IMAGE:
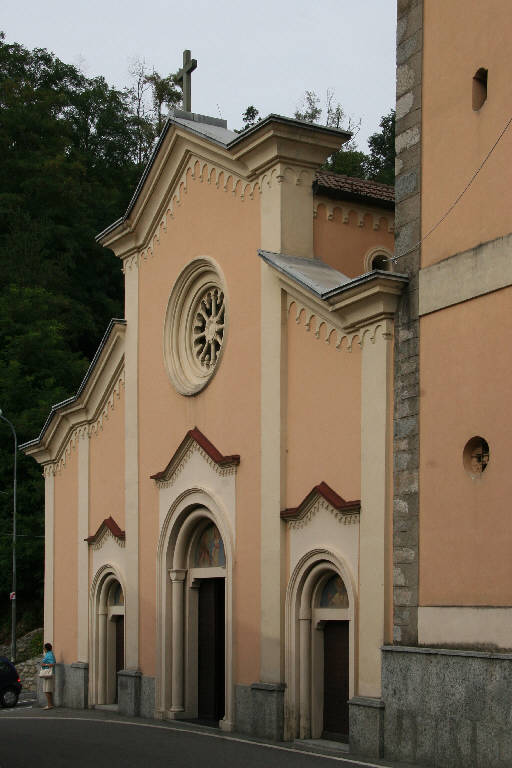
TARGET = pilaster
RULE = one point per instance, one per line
(83, 549)
(406, 366)
(287, 210)
(273, 410)
(49, 517)
(178, 605)
(375, 519)
(132, 464)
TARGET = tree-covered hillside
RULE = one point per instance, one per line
(71, 151)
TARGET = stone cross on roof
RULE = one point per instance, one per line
(184, 79)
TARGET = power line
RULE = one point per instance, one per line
(459, 196)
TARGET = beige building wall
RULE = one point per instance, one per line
(106, 467)
(210, 221)
(323, 415)
(455, 138)
(345, 232)
(65, 633)
(465, 532)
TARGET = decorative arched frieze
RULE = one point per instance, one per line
(196, 170)
(280, 174)
(109, 404)
(322, 497)
(311, 318)
(130, 262)
(85, 430)
(364, 215)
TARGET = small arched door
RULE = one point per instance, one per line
(336, 659)
(110, 640)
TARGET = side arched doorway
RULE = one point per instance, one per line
(320, 649)
(108, 638)
(195, 621)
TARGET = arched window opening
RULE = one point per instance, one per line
(209, 550)
(381, 262)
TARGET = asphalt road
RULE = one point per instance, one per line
(61, 738)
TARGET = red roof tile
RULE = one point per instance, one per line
(339, 185)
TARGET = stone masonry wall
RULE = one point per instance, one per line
(447, 709)
(407, 235)
(28, 672)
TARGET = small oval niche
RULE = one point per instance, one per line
(479, 88)
(476, 457)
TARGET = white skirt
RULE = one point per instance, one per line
(48, 684)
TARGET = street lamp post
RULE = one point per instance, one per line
(13, 595)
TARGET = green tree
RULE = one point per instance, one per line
(165, 93)
(69, 161)
(71, 151)
(37, 369)
(310, 110)
(381, 162)
(250, 117)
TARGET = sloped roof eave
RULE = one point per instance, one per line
(59, 407)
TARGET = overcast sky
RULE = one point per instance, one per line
(265, 53)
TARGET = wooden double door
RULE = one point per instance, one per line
(211, 650)
(336, 680)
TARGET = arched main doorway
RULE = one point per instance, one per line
(195, 623)
(109, 638)
(320, 649)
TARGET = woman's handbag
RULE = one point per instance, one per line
(46, 672)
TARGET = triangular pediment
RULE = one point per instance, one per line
(188, 149)
(322, 496)
(196, 442)
(108, 528)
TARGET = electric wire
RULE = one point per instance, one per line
(394, 259)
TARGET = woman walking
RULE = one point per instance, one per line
(48, 663)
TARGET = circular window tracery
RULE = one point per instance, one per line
(195, 326)
(208, 330)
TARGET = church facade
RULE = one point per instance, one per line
(279, 500)
(219, 490)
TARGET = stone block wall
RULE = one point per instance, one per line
(28, 672)
(447, 709)
(406, 396)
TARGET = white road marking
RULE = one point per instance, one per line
(171, 728)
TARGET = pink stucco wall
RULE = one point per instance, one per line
(345, 245)
(106, 468)
(465, 531)
(214, 222)
(323, 414)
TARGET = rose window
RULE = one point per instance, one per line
(208, 329)
(195, 326)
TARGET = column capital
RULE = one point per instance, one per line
(368, 302)
(178, 574)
